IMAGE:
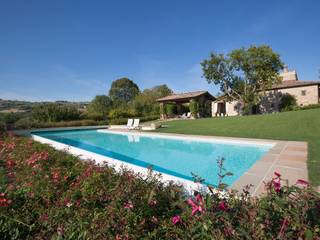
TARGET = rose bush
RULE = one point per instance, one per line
(47, 194)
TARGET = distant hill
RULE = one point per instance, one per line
(25, 106)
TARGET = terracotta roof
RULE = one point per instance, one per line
(181, 96)
(294, 83)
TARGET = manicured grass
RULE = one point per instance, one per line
(301, 125)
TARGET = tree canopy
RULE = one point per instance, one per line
(145, 103)
(123, 90)
(244, 72)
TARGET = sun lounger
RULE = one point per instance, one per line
(129, 123)
(135, 125)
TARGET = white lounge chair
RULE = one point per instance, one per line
(129, 123)
(189, 115)
(136, 123)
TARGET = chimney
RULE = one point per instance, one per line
(288, 75)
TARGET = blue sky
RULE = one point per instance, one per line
(73, 50)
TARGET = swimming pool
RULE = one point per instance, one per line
(180, 157)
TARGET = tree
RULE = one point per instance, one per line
(146, 102)
(100, 105)
(244, 73)
(123, 90)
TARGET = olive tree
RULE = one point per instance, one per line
(244, 73)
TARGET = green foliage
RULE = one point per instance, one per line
(27, 123)
(49, 194)
(99, 106)
(194, 108)
(53, 112)
(146, 102)
(121, 113)
(2, 126)
(243, 72)
(288, 102)
(123, 90)
(170, 109)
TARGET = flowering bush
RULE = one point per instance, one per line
(46, 194)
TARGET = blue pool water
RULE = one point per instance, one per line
(177, 157)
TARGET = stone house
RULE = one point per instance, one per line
(305, 92)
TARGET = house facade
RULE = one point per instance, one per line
(305, 92)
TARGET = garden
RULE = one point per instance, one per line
(50, 194)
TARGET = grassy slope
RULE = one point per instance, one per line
(297, 126)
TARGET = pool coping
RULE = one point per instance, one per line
(289, 158)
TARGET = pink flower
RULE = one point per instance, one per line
(195, 208)
(128, 205)
(55, 176)
(276, 185)
(10, 164)
(199, 198)
(153, 202)
(44, 217)
(176, 219)
(4, 202)
(223, 206)
(302, 182)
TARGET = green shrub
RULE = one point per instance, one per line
(194, 108)
(24, 123)
(93, 116)
(29, 124)
(49, 194)
(288, 102)
(170, 109)
(121, 113)
(54, 112)
(2, 126)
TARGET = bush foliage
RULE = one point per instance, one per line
(49, 194)
(288, 102)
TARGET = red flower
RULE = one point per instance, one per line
(223, 206)
(302, 182)
(176, 219)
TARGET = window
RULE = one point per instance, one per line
(303, 92)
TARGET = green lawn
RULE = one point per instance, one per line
(296, 126)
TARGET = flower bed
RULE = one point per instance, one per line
(46, 194)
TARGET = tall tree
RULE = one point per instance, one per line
(244, 72)
(123, 90)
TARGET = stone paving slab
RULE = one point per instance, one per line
(286, 157)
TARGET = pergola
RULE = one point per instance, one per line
(200, 96)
